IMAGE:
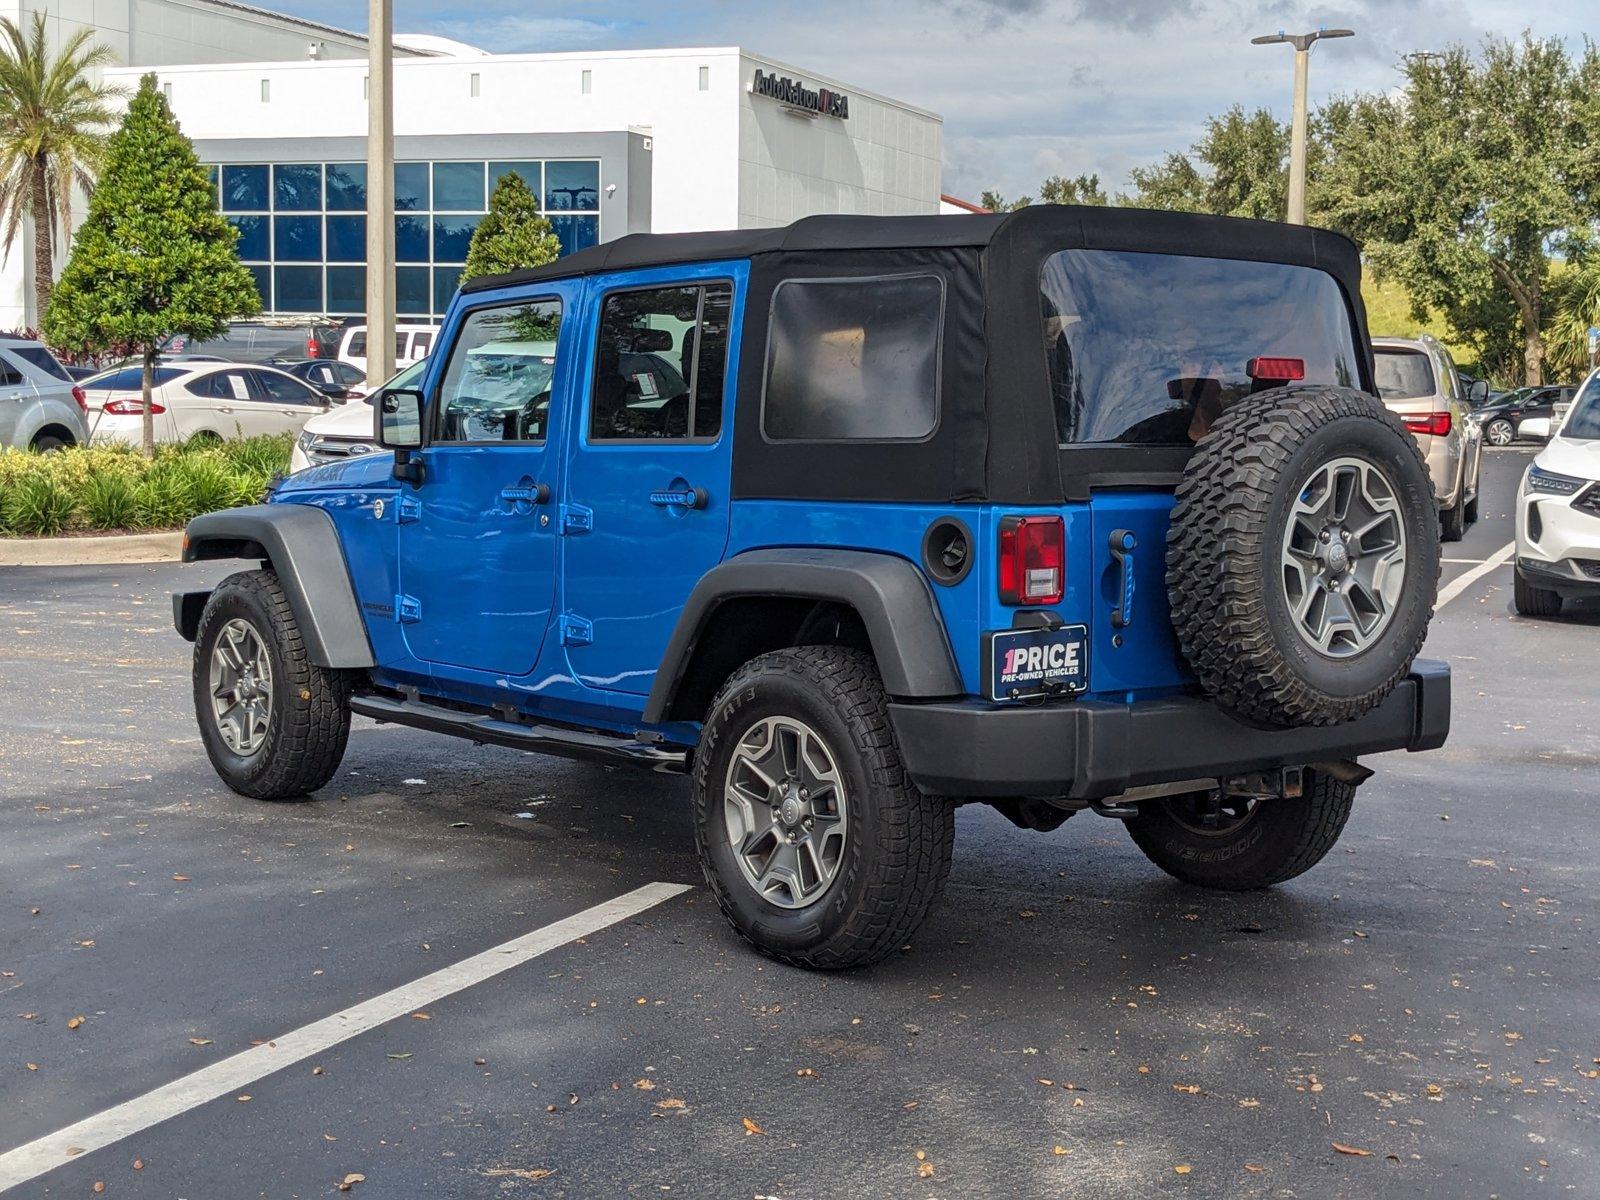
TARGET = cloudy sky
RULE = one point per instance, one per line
(1027, 88)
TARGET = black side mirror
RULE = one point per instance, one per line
(397, 426)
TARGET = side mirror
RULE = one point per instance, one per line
(1478, 393)
(397, 426)
(398, 419)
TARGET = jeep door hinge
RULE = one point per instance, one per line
(575, 630)
(407, 509)
(407, 609)
(575, 518)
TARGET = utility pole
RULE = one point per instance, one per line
(380, 192)
(1302, 43)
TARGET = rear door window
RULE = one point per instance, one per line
(1402, 374)
(854, 359)
(661, 364)
(1149, 349)
(38, 356)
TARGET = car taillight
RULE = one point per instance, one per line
(1437, 424)
(312, 349)
(83, 401)
(1033, 552)
(132, 408)
(1276, 370)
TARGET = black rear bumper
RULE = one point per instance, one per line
(1088, 750)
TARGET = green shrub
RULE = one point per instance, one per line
(38, 506)
(162, 497)
(110, 501)
(265, 455)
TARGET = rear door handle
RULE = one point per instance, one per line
(1123, 544)
(523, 496)
(686, 497)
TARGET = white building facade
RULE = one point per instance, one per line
(612, 142)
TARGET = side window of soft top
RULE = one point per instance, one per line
(661, 364)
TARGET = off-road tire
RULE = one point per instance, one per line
(1224, 570)
(1533, 601)
(309, 722)
(897, 854)
(1282, 838)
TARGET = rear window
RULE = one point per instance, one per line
(1150, 348)
(131, 379)
(1402, 374)
(38, 356)
(854, 359)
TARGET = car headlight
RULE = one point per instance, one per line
(1552, 484)
(305, 439)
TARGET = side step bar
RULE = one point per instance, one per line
(490, 730)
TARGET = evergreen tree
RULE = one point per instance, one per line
(513, 234)
(154, 257)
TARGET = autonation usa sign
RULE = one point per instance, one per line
(792, 92)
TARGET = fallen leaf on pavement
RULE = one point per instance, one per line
(1356, 1150)
(671, 1103)
(750, 1127)
(1190, 1089)
(1059, 1150)
(925, 1170)
(138, 1164)
(1183, 1168)
(405, 1054)
(180, 879)
(243, 1097)
(1254, 1168)
(199, 1041)
(31, 1066)
(74, 1022)
(423, 1016)
(645, 1085)
(350, 1180)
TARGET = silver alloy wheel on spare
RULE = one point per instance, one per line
(785, 811)
(1344, 557)
(241, 687)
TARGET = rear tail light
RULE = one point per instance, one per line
(1033, 552)
(313, 350)
(132, 408)
(83, 401)
(1276, 370)
(1437, 424)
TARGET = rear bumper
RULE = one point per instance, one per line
(1090, 750)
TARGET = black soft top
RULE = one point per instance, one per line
(996, 438)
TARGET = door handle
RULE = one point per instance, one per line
(224, 410)
(523, 496)
(1123, 544)
(684, 497)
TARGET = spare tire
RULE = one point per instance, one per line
(1303, 556)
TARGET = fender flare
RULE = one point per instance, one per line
(302, 546)
(893, 599)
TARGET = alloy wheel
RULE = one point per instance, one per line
(1343, 558)
(241, 687)
(785, 811)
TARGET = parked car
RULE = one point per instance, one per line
(334, 379)
(200, 399)
(345, 431)
(41, 406)
(1522, 415)
(1058, 510)
(263, 340)
(411, 342)
(1418, 381)
(1558, 513)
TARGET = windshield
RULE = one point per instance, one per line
(1402, 374)
(1151, 348)
(1583, 422)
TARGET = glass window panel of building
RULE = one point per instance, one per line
(303, 228)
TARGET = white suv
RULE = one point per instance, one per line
(1558, 513)
(41, 408)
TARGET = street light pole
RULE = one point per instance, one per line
(380, 192)
(1302, 43)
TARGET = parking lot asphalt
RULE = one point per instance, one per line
(1419, 1015)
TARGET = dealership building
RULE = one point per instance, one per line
(613, 143)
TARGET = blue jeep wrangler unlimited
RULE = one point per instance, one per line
(859, 520)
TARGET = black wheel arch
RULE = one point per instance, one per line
(299, 542)
(764, 600)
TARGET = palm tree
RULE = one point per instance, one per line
(52, 135)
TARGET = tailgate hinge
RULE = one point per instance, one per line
(575, 630)
(407, 609)
(575, 518)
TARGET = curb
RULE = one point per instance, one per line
(92, 551)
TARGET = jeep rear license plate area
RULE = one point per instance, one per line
(1037, 662)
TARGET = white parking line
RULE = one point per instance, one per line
(228, 1076)
(1467, 578)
